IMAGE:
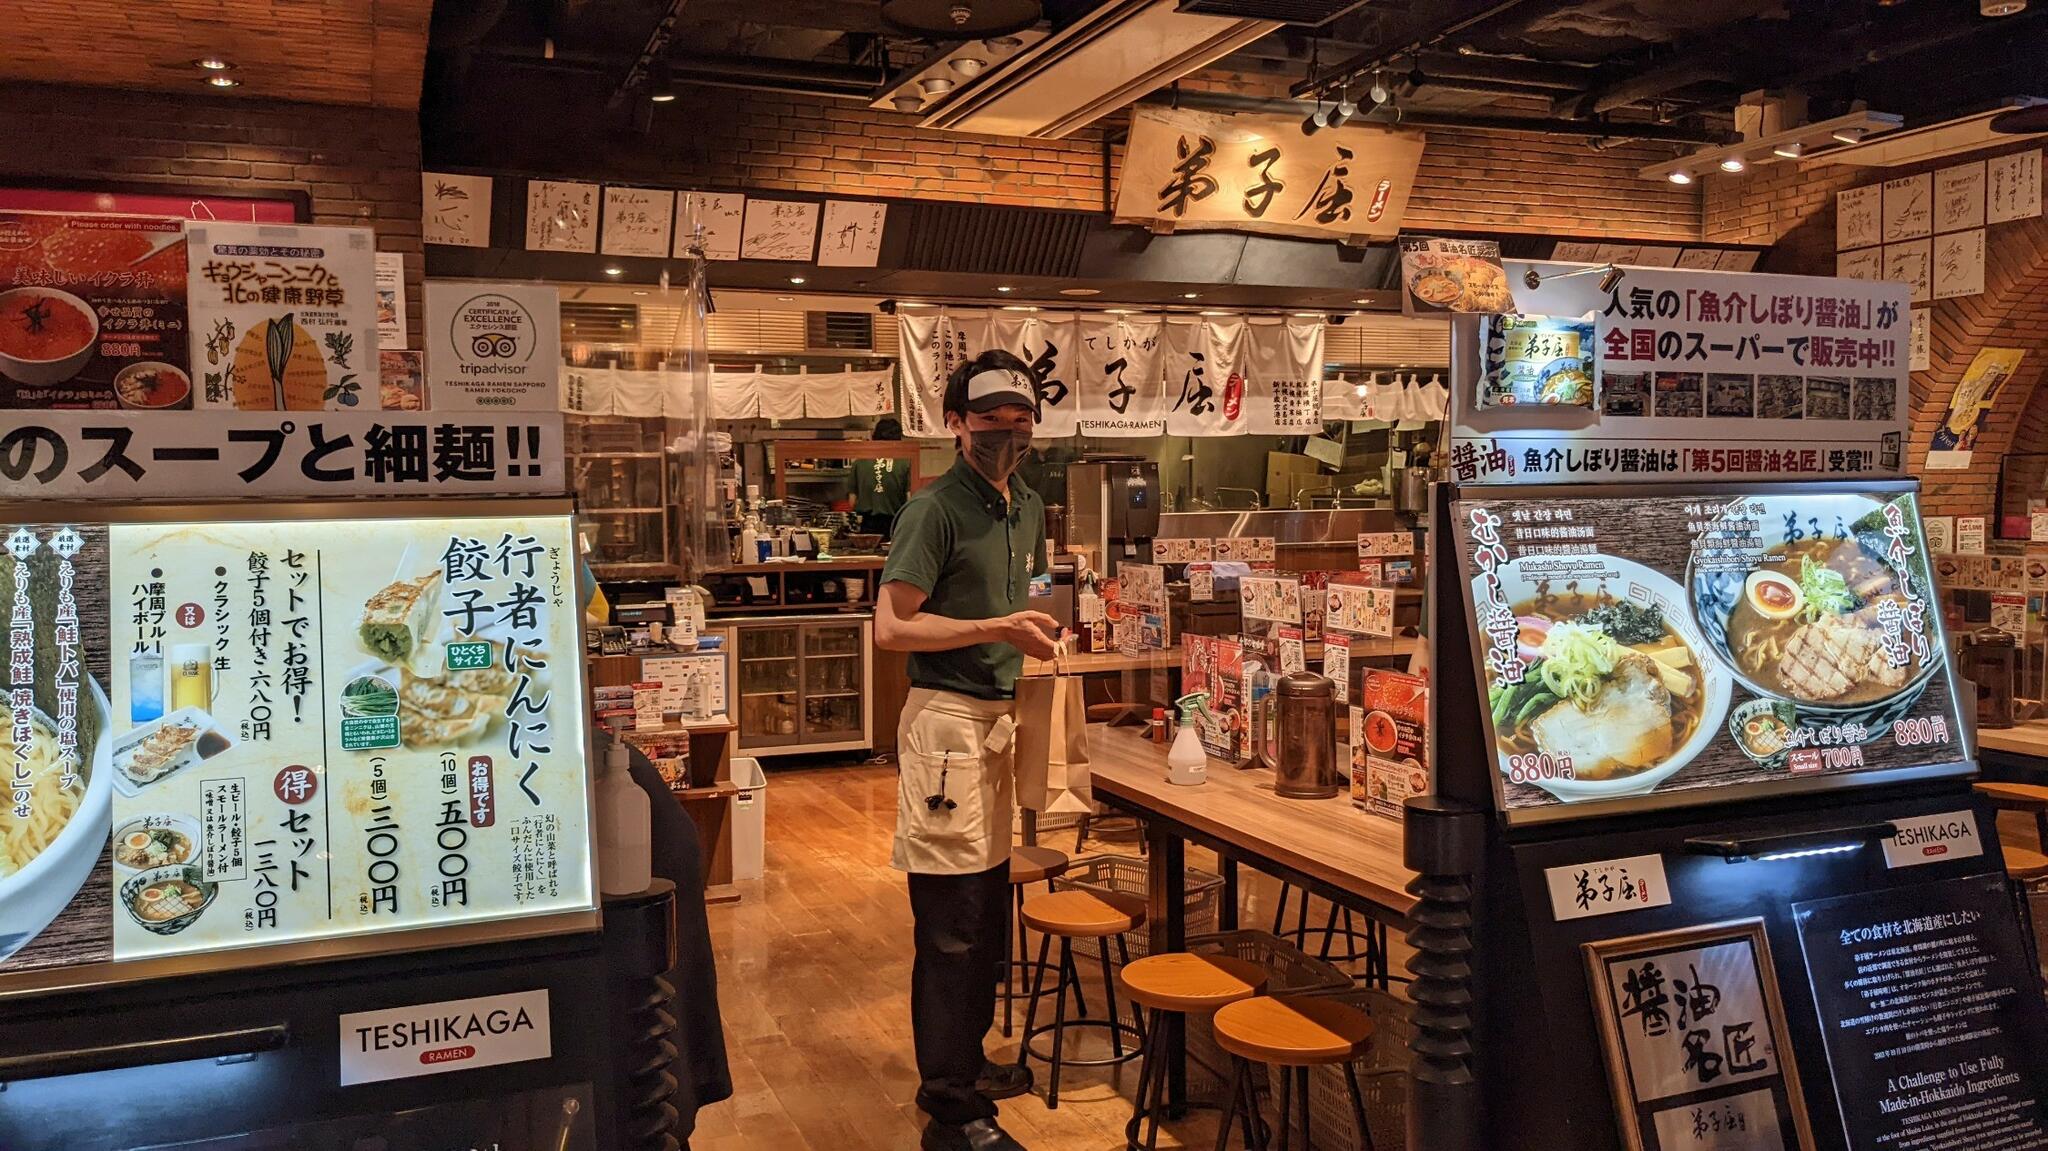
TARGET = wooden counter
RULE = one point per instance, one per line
(1375, 651)
(2028, 739)
(1326, 845)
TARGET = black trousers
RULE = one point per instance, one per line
(963, 939)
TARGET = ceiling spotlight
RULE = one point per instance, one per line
(1002, 287)
(1380, 92)
(1532, 279)
(1680, 176)
(1316, 121)
(2000, 7)
(785, 299)
(1002, 43)
(1191, 295)
(1080, 291)
(661, 87)
(1734, 164)
(969, 66)
(221, 80)
(614, 270)
(639, 291)
(212, 64)
(1848, 135)
(1790, 150)
(1610, 278)
(935, 85)
(907, 102)
(1344, 110)
(796, 279)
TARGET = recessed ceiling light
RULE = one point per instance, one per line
(796, 279)
(1191, 295)
(1362, 300)
(221, 80)
(1001, 43)
(907, 102)
(1306, 315)
(614, 270)
(785, 299)
(1018, 308)
(1790, 149)
(212, 64)
(1002, 287)
(1215, 313)
(1734, 164)
(1080, 291)
(1680, 177)
(1116, 311)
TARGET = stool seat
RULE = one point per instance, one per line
(2017, 796)
(2021, 863)
(1293, 1030)
(1082, 914)
(1036, 864)
(1191, 983)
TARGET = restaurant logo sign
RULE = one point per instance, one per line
(1206, 171)
(493, 347)
(454, 1035)
(1933, 839)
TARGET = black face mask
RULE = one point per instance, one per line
(996, 452)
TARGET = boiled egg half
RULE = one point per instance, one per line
(1774, 596)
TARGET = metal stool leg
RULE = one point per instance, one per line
(1238, 1077)
(1286, 1100)
(1329, 934)
(1358, 1107)
(1020, 952)
(1037, 989)
(1256, 1133)
(1140, 1109)
(1059, 1022)
(1301, 1101)
(1116, 1034)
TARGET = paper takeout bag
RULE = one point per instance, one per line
(1052, 745)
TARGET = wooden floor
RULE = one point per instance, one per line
(814, 984)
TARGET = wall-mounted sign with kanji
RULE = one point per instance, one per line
(1187, 170)
(1686, 1018)
(284, 317)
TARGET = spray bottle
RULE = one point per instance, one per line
(1186, 763)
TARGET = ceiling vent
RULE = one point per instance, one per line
(1101, 62)
(1302, 13)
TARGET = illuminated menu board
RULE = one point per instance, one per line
(230, 734)
(1676, 648)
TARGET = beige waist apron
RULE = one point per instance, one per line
(957, 748)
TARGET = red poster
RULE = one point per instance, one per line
(92, 312)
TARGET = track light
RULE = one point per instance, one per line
(1609, 276)
(935, 85)
(1002, 43)
(1344, 110)
(1848, 135)
(1316, 121)
(662, 89)
(969, 66)
(1379, 92)
(1611, 279)
(1680, 176)
(1734, 164)
(907, 103)
(1790, 150)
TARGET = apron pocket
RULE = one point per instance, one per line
(960, 824)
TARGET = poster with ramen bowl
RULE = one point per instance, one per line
(1676, 646)
(284, 317)
(92, 312)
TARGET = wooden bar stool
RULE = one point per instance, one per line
(1292, 1033)
(1187, 985)
(2023, 866)
(1067, 916)
(2031, 798)
(1373, 938)
(1028, 865)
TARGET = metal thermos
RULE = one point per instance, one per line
(1411, 489)
(1306, 766)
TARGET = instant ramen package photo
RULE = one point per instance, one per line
(1538, 360)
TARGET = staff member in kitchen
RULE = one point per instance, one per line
(953, 595)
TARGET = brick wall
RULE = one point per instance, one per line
(359, 166)
(1794, 209)
(726, 138)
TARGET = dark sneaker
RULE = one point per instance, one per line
(1003, 1080)
(980, 1135)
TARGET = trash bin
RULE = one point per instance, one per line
(749, 819)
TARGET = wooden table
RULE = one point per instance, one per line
(1325, 846)
(1375, 651)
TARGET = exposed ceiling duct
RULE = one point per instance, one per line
(1101, 62)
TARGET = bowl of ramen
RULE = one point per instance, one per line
(150, 841)
(151, 386)
(46, 336)
(167, 900)
(1809, 624)
(46, 858)
(1436, 285)
(1615, 696)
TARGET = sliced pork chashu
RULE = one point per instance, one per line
(1626, 729)
(1836, 654)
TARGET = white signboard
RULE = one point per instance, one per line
(692, 686)
(1862, 264)
(283, 316)
(1181, 551)
(1857, 218)
(1970, 535)
(1374, 545)
(455, 1035)
(1933, 839)
(1908, 208)
(1911, 264)
(779, 230)
(493, 347)
(852, 235)
(1920, 341)
(1246, 549)
(1275, 598)
(1703, 375)
(1359, 609)
(637, 221)
(1959, 198)
(1584, 890)
(1941, 533)
(391, 334)
(2015, 187)
(235, 455)
(561, 216)
(455, 209)
(1959, 264)
(713, 217)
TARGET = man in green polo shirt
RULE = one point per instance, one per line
(953, 595)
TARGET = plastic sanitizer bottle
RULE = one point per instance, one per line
(1186, 763)
(625, 831)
